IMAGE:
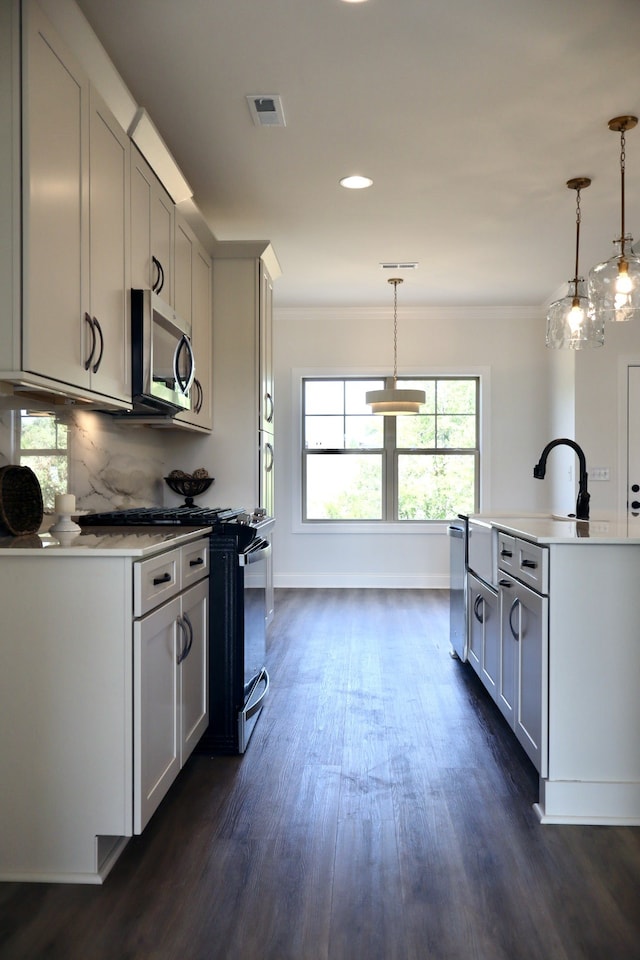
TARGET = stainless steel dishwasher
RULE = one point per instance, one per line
(457, 533)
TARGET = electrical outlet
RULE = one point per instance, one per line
(599, 473)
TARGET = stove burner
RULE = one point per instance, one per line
(172, 516)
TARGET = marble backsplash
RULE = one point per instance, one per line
(112, 465)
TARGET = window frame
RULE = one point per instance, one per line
(391, 453)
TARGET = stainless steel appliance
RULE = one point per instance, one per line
(238, 677)
(239, 551)
(457, 533)
(162, 360)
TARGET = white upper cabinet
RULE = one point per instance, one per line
(75, 168)
(109, 251)
(152, 231)
(185, 243)
(193, 272)
(85, 220)
(243, 374)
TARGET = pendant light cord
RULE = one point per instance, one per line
(395, 281)
(578, 221)
(623, 157)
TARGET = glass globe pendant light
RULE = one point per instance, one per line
(614, 286)
(393, 401)
(571, 321)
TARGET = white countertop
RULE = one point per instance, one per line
(103, 541)
(545, 528)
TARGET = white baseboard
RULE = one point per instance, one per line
(366, 580)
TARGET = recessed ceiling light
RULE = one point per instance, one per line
(355, 182)
(354, 1)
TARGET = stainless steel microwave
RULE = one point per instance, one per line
(162, 361)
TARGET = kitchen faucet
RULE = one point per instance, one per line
(582, 504)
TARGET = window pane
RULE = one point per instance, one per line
(457, 396)
(429, 387)
(40, 432)
(416, 433)
(435, 487)
(324, 432)
(344, 487)
(51, 472)
(364, 431)
(323, 396)
(355, 395)
(456, 431)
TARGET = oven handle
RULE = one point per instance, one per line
(263, 677)
(259, 550)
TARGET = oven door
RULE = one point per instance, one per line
(253, 560)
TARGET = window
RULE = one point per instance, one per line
(361, 466)
(42, 445)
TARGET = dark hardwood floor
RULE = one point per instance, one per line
(383, 811)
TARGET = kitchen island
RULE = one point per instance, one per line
(566, 650)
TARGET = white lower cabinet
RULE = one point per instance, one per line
(103, 693)
(170, 694)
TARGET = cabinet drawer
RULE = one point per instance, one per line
(532, 565)
(194, 562)
(155, 580)
(507, 556)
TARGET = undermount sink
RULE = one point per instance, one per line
(566, 516)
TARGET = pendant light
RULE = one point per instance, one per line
(393, 402)
(614, 286)
(571, 321)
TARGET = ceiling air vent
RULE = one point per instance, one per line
(400, 265)
(266, 109)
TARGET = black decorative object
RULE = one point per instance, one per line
(188, 486)
(21, 508)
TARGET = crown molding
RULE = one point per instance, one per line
(479, 314)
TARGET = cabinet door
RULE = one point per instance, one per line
(265, 345)
(200, 413)
(532, 665)
(152, 230)
(109, 162)
(157, 641)
(55, 189)
(491, 643)
(508, 639)
(266, 472)
(484, 632)
(475, 619)
(183, 271)
(194, 674)
(523, 676)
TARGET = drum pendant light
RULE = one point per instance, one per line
(614, 286)
(571, 321)
(393, 402)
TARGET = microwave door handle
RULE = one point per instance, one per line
(185, 385)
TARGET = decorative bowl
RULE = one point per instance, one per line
(188, 487)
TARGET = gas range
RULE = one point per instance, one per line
(229, 521)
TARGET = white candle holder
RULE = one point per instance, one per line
(65, 504)
(65, 524)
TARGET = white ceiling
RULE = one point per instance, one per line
(469, 115)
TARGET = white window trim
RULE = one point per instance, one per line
(429, 528)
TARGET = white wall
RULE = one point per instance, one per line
(507, 344)
(601, 412)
